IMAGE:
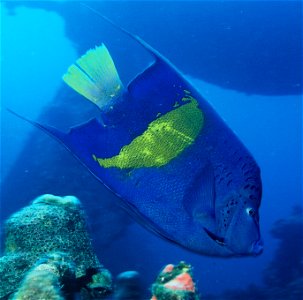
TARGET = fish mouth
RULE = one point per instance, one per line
(219, 240)
(256, 248)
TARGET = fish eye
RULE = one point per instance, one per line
(251, 212)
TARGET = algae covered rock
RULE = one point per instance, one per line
(51, 224)
(12, 269)
(45, 279)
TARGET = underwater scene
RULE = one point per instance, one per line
(151, 150)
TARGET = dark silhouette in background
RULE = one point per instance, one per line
(253, 47)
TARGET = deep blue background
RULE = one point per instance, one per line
(246, 59)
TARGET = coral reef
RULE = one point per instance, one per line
(45, 279)
(51, 224)
(48, 255)
(175, 283)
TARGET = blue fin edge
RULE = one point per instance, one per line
(52, 131)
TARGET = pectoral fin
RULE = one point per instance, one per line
(199, 199)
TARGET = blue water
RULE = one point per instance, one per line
(244, 57)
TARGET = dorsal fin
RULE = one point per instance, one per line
(143, 43)
(156, 54)
(95, 77)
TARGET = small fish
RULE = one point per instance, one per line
(173, 162)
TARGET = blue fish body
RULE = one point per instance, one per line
(176, 166)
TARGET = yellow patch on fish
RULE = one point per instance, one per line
(163, 140)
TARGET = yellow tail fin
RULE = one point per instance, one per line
(95, 77)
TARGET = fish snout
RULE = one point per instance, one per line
(257, 247)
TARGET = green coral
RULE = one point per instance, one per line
(50, 224)
(45, 279)
(67, 201)
(98, 286)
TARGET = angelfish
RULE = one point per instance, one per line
(172, 161)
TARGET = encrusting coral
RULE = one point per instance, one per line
(48, 255)
(175, 282)
(45, 279)
(51, 225)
